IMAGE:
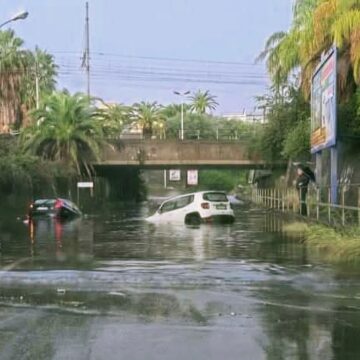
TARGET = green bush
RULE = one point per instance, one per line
(25, 173)
(297, 141)
(225, 180)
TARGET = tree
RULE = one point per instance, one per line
(316, 26)
(41, 68)
(149, 117)
(201, 102)
(174, 109)
(13, 67)
(19, 69)
(65, 128)
(113, 118)
(196, 126)
(287, 131)
(296, 144)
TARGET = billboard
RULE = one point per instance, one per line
(323, 104)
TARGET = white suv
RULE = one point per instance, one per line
(205, 206)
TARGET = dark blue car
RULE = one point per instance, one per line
(59, 208)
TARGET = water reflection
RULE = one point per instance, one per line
(123, 234)
(244, 283)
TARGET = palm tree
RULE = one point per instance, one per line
(113, 118)
(13, 67)
(172, 110)
(346, 34)
(41, 68)
(149, 117)
(316, 26)
(286, 51)
(203, 102)
(65, 128)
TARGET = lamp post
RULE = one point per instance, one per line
(182, 95)
(21, 16)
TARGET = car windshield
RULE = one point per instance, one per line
(44, 202)
(215, 196)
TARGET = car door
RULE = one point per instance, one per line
(167, 211)
(182, 206)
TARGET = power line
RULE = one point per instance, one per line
(167, 78)
(158, 58)
(167, 70)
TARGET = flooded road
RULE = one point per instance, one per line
(112, 286)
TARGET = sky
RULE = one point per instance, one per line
(144, 50)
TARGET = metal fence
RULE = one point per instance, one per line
(217, 134)
(318, 203)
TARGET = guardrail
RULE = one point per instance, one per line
(318, 203)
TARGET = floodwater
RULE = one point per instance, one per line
(112, 286)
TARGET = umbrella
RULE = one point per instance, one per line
(308, 172)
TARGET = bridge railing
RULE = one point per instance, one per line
(218, 134)
(197, 134)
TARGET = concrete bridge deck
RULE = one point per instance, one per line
(165, 154)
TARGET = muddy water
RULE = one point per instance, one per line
(112, 286)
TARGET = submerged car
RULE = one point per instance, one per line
(195, 208)
(59, 208)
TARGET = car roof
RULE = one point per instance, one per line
(193, 193)
(41, 201)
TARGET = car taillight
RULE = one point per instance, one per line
(58, 204)
(205, 205)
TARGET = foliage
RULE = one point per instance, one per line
(286, 135)
(65, 128)
(41, 67)
(18, 71)
(297, 142)
(13, 67)
(195, 126)
(208, 127)
(203, 101)
(22, 172)
(334, 245)
(316, 26)
(149, 116)
(113, 118)
(172, 110)
(225, 180)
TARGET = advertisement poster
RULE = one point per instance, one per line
(323, 104)
(174, 175)
(192, 177)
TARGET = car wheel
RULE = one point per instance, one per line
(193, 219)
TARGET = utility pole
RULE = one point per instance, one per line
(87, 51)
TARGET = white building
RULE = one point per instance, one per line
(248, 118)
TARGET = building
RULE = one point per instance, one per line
(254, 118)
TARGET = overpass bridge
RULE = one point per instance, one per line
(167, 154)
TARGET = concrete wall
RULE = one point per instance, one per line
(171, 152)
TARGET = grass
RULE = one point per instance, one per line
(333, 245)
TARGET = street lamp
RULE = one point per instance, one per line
(21, 16)
(182, 110)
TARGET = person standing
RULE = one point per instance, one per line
(302, 182)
